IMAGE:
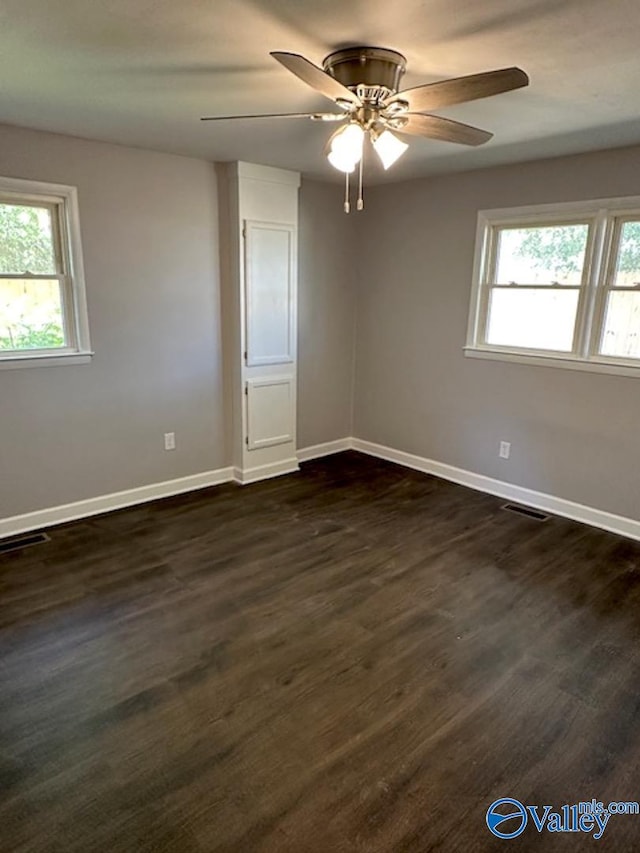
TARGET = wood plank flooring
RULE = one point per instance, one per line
(354, 658)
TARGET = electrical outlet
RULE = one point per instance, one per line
(169, 441)
(505, 449)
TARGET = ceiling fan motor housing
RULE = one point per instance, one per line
(366, 67)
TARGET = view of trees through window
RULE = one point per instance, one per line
(542, 255)
(530, 310)
(621, 332)
(628, 265)
(30, 308)
(533, 312)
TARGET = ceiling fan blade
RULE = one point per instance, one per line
(314, 116)
(315, 77)
(458, 90)
(436, 127)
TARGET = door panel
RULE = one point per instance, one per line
(270, 411)
(270, 298)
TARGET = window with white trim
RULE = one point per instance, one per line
(559, 284)
(43, 315)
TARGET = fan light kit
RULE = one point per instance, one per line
(363, 83)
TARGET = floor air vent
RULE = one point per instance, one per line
(18, 542)
(526, 511)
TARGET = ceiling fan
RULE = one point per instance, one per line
(364, 83)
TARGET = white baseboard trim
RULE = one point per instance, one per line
(549, 503)
(265, 472)
(107, 503)
(119, 500)
(316, 451)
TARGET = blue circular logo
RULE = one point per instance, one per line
(497, 816)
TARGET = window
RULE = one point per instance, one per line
(620, 336)
(43, 317)
(559, 284)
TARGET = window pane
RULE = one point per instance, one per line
(628, 265)
(30, 315)
(621, 336)
(26, 240)
(541, 255)
(532, 319)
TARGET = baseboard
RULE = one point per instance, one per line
(265, 472)
(107, 503)
(316, 451)
(119, 500)
(549, 503)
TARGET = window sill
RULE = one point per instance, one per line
(568, 363)
(61, 359)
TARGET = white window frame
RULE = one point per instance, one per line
(63, 202)
(604, 216)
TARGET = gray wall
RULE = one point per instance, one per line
(574, 434)
(149, 228)
(326, 315)
(150, 238)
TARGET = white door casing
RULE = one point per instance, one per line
(259, 237)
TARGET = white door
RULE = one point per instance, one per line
(270, 302)
(270, 411)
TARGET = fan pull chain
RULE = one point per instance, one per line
(347, 204)
(360, 203)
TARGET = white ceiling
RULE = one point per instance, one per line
(141, 72)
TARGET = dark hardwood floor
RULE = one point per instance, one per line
(354, 658)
